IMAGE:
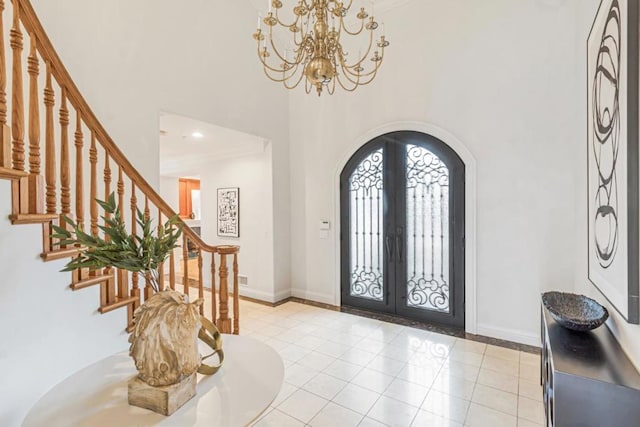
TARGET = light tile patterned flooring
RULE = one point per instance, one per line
(343, 370)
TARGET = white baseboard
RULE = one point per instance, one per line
(280, 295)
(509, 335)
(313, 296)
(264, 296)
(255, 294)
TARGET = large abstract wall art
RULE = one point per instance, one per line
(612, 176)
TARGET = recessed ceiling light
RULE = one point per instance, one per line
(197, 135)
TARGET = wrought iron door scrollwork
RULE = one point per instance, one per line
(427, 233)
(367, 253)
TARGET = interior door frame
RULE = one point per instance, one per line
(471, 318)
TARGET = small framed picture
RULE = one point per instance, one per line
(229, 212)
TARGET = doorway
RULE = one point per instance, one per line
(402, 229)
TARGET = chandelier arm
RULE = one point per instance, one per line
(303, 35)
(277, 79)
(296, 83)
(366, 53)
(359, 78)
(331, 89)
(346, 30)
(277, 52)
(349, 72)
(342, 85)
(275, 70)
(282, 23)
(267, 66)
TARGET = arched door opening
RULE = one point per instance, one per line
(402, 222)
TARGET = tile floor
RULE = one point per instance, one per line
(343, 370)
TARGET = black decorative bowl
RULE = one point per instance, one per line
(575, 312)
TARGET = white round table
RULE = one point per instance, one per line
(237, 394)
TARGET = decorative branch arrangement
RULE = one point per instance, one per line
(139, 254)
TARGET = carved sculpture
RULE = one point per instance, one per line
(164, 341)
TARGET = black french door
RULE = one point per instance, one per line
(402, 229)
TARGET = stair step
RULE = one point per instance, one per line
(85, 283)
(61, 253)
(120, 302)
(32, 218)
(6, 173)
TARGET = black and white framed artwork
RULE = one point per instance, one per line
(612, 166)
(229, 212)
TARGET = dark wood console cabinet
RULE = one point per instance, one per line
(587, 380)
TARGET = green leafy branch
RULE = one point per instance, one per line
(138, 253)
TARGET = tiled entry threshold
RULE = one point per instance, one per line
(347, 370)
(444, 330)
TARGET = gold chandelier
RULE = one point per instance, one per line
(316, 53)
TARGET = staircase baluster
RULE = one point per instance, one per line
(172, 269)
(50, 148)
(214, 302)
(123, 275)
(5, 132)
(135, 291)
(224, 323)
(236, 296)
(17, 95)
(161, 266)
(110, 286)
(148, 290)
(35, 186)
(65, 169)
(185, 264)
(200, 281)
(79, 144)
(147, 212)
(93, 205)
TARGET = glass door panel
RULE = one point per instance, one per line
(366, 228)
(427, 225)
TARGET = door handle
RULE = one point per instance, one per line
(389, 245)
(399, 245)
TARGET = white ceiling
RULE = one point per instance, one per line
(181, 154)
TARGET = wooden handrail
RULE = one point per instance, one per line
(47, 51)
(110, 171)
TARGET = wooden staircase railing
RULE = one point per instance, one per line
(43, 190)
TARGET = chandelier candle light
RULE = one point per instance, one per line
(317, 54)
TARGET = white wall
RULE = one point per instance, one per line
(130, 60)
(136, 59)
(170, 191)
(504, 77)
(48, 331)
(252, 174)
